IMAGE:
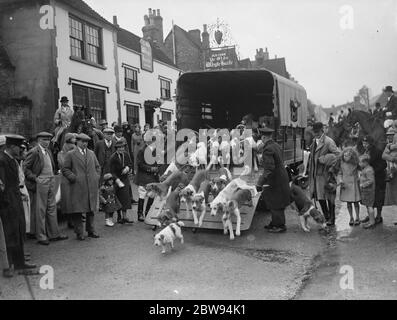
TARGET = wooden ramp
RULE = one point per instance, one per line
(211, 222)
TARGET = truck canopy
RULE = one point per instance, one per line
(220, 99)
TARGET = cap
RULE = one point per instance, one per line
(391, 131)
(388, 89)
(103, 122)
(120, 143)
(44, 134)
(318, 126)
(108, 130)
(83, 137)
(118, 128)
(107, 177)
(64, 99)
(125, 123)
(69, 136)
(15, 140)
(265, 130)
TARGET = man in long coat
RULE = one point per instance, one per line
(321, 146)
(11, 208)
(82, 170)
(274, 178)
(104, 150)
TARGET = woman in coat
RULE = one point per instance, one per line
(120, 167)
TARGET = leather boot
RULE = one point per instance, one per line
(325, 209)
(148, 205)
(140, 209)
(331, 221)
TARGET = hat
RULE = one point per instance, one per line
(391, 131)
(318, 126)
(64, 99)
(102, 122)
(125, 123)
(108, 130)
(265, 130)
(83, 137)
(120, 143)
(69, 136)
(388, 89)
(44, 134)
(16, 140)
(107, 177)
(118, 128)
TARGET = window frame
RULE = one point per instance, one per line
(89, 96)
(85, 42)
(133, 105)
(168, 81)
(135, 71)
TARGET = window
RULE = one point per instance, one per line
(206, 111)
(165, 86)
(132, 113)
(85, 41)
(131, 78)
(165, 116)
(93, 99)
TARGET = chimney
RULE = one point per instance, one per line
(153, 28)
(266, 54)
(115, 21)
(260, 56)
(195, 34)
(275, 56)
(206, 37)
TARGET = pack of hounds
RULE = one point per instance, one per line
(224, 197)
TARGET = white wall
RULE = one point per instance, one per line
(148, 84)
(84, 72)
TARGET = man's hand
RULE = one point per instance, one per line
(126, 170)
(388, 114)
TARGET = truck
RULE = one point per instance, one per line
(221, 98)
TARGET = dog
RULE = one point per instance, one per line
(305, 208)
(199, 201)
(220, 182)
(168, 235)
(191, 189)
(170, 210)
(239, 197)
(163, 189)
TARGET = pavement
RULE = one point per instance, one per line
(124, 264)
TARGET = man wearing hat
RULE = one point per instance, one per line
(273, 181)
(378, 112)
(391, 106)
(127, 134)
(103, 124)
(321, 146)
(82, 170)
(104, 149)
(62, 118)
(11, 208)
(39, 168)
(118, 134)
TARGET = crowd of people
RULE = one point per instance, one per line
(96, 176)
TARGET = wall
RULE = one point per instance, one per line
(29, 49)
(188, 56)
(68, 68)
(15, 116)
(148, 84)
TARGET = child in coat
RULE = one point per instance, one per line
(367, 188)
(349, 183)
(108, 199)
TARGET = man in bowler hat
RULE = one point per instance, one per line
(391, 106)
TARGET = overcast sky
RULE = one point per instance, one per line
(330, 62)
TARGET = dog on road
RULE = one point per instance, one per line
(167, 236)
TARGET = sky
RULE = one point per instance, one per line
(332, 47)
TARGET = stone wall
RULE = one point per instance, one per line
(16, 116)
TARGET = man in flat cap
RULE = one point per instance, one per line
(82, 170)
(62, 118)
(274, 181)
(104, 149)
(103, 124)
(39, 168)
(11, 208)
(391, 106)
(321, 146)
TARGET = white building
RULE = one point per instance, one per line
(147, 81)
(86, 58)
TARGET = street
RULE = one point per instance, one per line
(124, 264)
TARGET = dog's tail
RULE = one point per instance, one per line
(180, 223)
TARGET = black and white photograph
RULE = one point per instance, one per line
(183, 150)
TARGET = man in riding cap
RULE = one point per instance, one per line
(391, 106)
(62, 118)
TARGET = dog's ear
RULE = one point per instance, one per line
(162, 237)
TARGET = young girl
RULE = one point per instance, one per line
(108, 199)
(349, 183)
(367, 187)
